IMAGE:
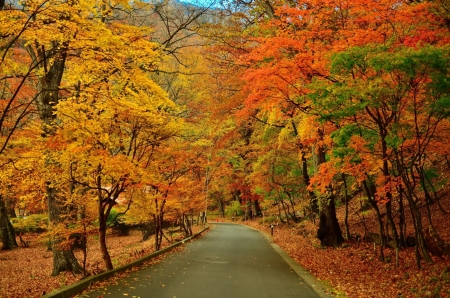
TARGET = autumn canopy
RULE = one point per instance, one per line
(144, 115)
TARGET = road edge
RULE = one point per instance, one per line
(316, 285)
(78, 287)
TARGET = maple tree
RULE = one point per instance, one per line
(390, 87)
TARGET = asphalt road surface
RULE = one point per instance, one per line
(229, 261)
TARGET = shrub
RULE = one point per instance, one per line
(234, 209)
(35, 223)
(117, 223)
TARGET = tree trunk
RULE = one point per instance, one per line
(248, 210)
(347, 229)
(370, 192)
(103, 248)
(294, 213)
(393, 229)
(186, 225)
(147, 229)
(286, 211)
(279, 212)
(6, 228)
(158, 220)
(306, 180)
(254, 208)
(63, 259)
(402, 222)
(158, 231)
(329, 232)
(220, 204)
(420, 239)
(104, 209)
(10, 208)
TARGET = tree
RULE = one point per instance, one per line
(125, 116)
(395, 105)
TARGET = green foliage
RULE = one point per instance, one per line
(112, 217)
(35, 223)
(270, 133)
(234, 209)
(341, 137)
(119, 223)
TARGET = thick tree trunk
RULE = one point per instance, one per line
(10, 208)
(329, 232)
(420, 239)
(63, 259)
(103, 248)
(6, 228)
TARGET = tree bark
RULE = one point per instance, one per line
(103, 248)
(329, 232)
(10, 208)
(63, 259)
(104, 209)
(158, 220)
(313, 198)
(186, 225)
(370, 192)
(148, 229)
(347, 229)
(402, 222)
(7, 229)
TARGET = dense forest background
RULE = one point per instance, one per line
(144, 115)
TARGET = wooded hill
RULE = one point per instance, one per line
(144, 114)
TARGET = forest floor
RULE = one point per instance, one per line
(354, 270)
(26, 271)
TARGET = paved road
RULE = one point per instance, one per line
(229, 261)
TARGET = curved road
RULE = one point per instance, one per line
(229, 261)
